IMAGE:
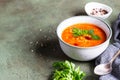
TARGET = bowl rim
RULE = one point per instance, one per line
(109, 37)
(104, 5)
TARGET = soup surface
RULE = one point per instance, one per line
(83, 35)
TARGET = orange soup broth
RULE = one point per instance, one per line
(83, 41)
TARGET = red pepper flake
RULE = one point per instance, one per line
(88, 38)
(75, 44)
(98, 11)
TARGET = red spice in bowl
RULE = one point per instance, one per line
(98, 11)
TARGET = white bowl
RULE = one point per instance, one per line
(83, 53)
(97, 6)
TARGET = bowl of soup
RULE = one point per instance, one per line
(83, 38)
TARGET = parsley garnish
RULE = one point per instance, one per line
(79, 32)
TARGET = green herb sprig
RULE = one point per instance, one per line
(79, 32)
(66, 71)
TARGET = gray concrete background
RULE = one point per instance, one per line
(28, 41)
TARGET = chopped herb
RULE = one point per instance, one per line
(96, 37)
(79, 32)
(66, 71)
(91, 32)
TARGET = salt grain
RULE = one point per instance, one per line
(45, 36)
(32, 50)
(41, 45)
(36, 42)
(31, 42)
(40, 29)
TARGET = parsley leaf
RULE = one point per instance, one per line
(95, 37)
(79, 32)
(66, 71)
(91, 32)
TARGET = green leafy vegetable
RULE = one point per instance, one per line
(79, 32)
(66, 71)
(96, 37)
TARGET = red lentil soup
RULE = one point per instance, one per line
(83, 35)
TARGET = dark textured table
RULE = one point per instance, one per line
(28, 41)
